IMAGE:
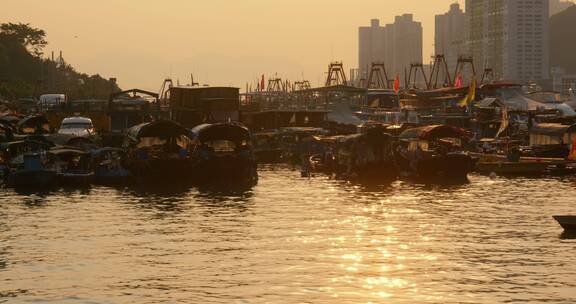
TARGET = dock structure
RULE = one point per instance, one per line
(378, 77)
(276, 119)
(192, 106)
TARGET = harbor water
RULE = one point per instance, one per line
(291, 240)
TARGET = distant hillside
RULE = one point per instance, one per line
(563, 40)
(25, 73)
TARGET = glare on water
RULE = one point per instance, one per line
(291, 240)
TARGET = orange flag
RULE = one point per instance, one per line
(397, 83)
(572, 155)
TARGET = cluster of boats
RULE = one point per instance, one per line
(158, 151)
(430, 152)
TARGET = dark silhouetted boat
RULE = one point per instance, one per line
(73, 166)
(223, 152)
(109, 166)
(159, 151)
(568, 222)
(25, 164)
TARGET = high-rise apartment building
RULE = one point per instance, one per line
(372, 41)
(396, 45)
(450, 35)
(407, 43)
(511, 37)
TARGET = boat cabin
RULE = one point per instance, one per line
(552, 139)
(12, 153)
(222, 137)
(70, 160)
(158, 139)
(433, 139)
(223, 151)
(34, 125)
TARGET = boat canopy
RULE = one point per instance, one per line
(159, 128)
(27, 143)
(33, 121)
(10, 119)
(552, 129)
(221, 131)
(490, 102)
(434, 132)
(6, 133)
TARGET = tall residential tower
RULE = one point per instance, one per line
(396, 45)
(450, 35)
(511, 37)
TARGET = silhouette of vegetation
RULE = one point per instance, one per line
(24, 73)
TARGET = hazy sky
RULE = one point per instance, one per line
(223, 42)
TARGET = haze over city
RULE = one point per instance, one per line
(222, 42)
(288, 151)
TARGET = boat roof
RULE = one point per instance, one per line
(552, 129)
(25, 142)
(77, 119)
(433, 132)
(234, 131)
(159, 128)
(33, 120)
(67, 151)
(489, 102)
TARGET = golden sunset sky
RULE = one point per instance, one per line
(223, 42)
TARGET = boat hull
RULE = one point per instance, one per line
(32, 178)
(227, 169)
(512, 168)
(75, 179)
(161, 170)
(451, 167)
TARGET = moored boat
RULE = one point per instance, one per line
(24, 164)
(502, 165)
(434, 151)
(73, 166)
(223, 152)
(158, 151)
(568, 222)
(109, 166)
(367, 156)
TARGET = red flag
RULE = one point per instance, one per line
(397, 83)
(459, 81)
(262, 83)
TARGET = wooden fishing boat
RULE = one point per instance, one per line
(159, 151)
(366, 157)
(434, 152)
(109, 166)
(73, 166)
(24, 165)
(223, 152)
(568, 222)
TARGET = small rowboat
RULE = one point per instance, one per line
(568, 222)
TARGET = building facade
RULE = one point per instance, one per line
(372, 41)
(511, 37)
(396, 45)
(407, 43)
(450, 36)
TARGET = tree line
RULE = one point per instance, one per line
(25, 73)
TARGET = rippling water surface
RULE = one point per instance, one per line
(291, 240)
